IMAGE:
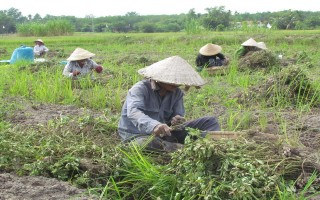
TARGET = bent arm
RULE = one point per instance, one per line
(92, 64)
(137, 112)
(67, 71)
(45, 49)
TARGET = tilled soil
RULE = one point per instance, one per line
(38, 188)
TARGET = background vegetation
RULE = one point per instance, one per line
(12, 19)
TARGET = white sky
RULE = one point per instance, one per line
(100, 8)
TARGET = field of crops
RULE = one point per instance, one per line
(54, 127)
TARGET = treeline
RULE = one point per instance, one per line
(217, 18)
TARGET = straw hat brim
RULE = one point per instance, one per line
(80, 54)
(210, 49)
(39, 40)
(262, 45)
(173, 70)
(250, 43)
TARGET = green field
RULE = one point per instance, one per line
(53, 127)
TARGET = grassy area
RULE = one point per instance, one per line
(84, 148)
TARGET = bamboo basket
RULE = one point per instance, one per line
(218, 70)
(218, 135)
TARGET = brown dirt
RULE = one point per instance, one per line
(33, 114)
(310, 135)
(37, 188)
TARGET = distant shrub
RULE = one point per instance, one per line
(193, 26)
(51, 28)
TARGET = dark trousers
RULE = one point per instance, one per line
(202, 124)
(173, 142)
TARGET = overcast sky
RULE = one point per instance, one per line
(100, 8)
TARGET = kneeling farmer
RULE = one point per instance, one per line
(81, 64)
(156, 103)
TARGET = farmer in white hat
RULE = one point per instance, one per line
(210, 56)
(80, 64)
(39, 49)
(249, 46)
(154, 106)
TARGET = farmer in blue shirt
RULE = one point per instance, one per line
(155, 104)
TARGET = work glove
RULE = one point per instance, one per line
(99, 69)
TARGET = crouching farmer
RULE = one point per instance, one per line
(80, 64)
(154, 105)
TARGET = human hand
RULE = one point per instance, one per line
(162, 130)
(177, 120)
(99, 69)
(75, 73)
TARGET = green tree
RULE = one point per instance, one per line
(16, 15)
(37, 18)
(7, 23)
(313, 22)
(215, 17)
(147, 27)
(192, 14)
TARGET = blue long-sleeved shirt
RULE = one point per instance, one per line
(144, 109)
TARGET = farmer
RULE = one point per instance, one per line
(154, 106)
(249, 46)
(210, 56)
(39, 49)
(80, 64)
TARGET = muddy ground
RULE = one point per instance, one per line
(14, 187)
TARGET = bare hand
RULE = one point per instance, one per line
(162, 130)
(75, 73)
(177, 120)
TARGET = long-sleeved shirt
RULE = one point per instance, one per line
(37, 50)
(85, 70)
(209, 61)
(144, 109)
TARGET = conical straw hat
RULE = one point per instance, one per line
(80, 54)
(210, 49)
(173, 70)
(39, 40)
(262, 45)
(250, 43)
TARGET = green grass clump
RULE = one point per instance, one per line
(50, 28)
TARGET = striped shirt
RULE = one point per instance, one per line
(85, 70)
(38, 49)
